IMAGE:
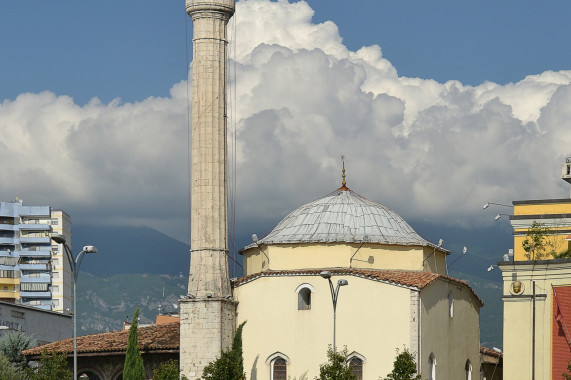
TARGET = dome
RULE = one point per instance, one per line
(343, 217)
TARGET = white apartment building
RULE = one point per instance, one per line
(34, 270)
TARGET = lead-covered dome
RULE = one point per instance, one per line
(343, 217)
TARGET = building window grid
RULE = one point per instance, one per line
(356, 366)
(279, 369)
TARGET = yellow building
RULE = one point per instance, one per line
(537, 291)
(393, 292)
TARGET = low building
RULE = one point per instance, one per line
(537, 289)
(102, 356)
(42, 325)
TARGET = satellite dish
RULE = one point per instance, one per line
(175, 306)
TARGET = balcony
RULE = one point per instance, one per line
(9, 281)
(42, 306)
(7, 227)
(35, 295)
(35, 280)
(35, 211)
(34, 227)
(7, 240)
(36, 267)
(35, 253)
(34, 240)
(9, 294)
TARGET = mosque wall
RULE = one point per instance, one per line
(285, 257)
(373, 319)
(450, 331)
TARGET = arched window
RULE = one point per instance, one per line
(432, 367)
(304, 296)
(356, 365)
(450, 305)
(278, 366)
(468, 368)
(279, 369)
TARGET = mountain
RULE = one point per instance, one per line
(130, 250)
(141, 267)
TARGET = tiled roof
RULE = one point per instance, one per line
(343, 217)
(155, 338)
(491, 352)
(409, 278)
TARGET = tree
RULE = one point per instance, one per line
(9, 371)
(230, 364)
(12, 345)
(168, 370)
(404, 367)
(536, 245)
(52, 366)
(336, 367)
(133, 369)
(567, 374)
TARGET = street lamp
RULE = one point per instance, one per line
(487, 204)
(334, 296)
(74, 264)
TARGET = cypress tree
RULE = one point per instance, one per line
(133, 369)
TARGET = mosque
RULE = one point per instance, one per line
(392, 293)
(342, 271)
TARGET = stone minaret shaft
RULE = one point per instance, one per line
(208, 312)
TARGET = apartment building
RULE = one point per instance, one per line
(33, 269)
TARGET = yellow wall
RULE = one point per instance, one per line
(541, 211)
(562, 207)
(452, 340)
(518, 315)
(372, 319)
(370, 256)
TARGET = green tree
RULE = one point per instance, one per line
(536, 245)
(12, 345)
(168, 370)
(567, 374)
(133, 369)
(9, 371)
(404, 367)
(336, 367)
(230, 364)
(52, 366)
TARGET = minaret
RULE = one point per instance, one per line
(208, 312)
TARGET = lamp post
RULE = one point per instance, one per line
(334, 296)
(74, 263)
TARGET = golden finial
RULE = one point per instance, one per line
(343, 184)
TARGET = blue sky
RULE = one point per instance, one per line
(136, 49)
(438, 106)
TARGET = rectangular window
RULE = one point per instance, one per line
(33, 287)
(55, 288)
(18, 314)
(54, 222)
(55, 274)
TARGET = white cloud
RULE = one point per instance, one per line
(428, 150)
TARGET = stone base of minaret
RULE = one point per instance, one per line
(207, 328)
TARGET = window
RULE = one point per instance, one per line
(432, 367)
(54, 222)
(55, 288)
(278, 366)
(468, 368)
(304, 296)
(279, 369)
(55, 274)
(356, 365)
